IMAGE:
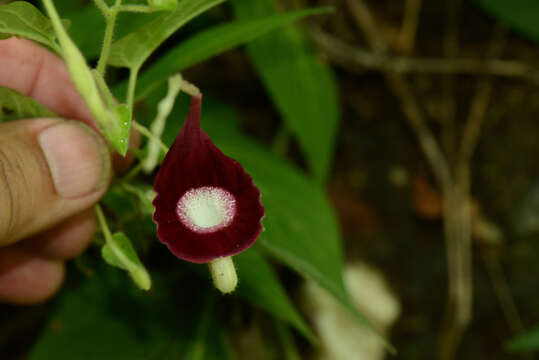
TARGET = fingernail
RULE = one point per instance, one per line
(77, 157)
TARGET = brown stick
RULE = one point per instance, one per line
(410, 24)
(358, 59)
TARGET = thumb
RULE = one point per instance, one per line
(50, 169)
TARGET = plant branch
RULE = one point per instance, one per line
(358, 59)
(409, 24)
(131, 85)
(398, 84)
(136, 8)
(367, 25)
(144, 131)
(110, 18)
(102, 6)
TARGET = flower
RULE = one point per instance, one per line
(207, 206)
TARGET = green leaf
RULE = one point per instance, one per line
(132, 50)
(14, 106)
(522, 15)
(209, 43)
(302, 87)
(163, 4)
(108, 319)
(290, 349)
(123, 117)
(206, 331)
(259, 284)
(119, 252)
(300, 226)
(21, 18)
(528, 341)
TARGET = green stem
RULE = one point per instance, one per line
(103, 223)
(110, 17)
(135, 170)
(102, 6)
(133, 73)
(136, 8)
(144, 131)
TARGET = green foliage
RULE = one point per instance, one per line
(528, 341)
(119, 252)
(106, 318)
(14, 105)
(520, 14)
(23, 19)
(260, 285)
(132, 50)
(211, 42)
(300, 85)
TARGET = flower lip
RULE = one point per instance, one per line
(207, 206)
(206, 209)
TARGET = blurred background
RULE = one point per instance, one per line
(416, 120)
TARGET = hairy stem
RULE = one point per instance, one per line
(102, 6)
(136, 8)
(110, 18)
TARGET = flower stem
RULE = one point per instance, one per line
(133, 73)
(224, 274)
(110, 17)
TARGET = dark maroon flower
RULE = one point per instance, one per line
(207, 206)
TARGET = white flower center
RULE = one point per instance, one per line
(206, 209)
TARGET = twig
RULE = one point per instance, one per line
(458, 312)
(451, 47)
(480, 102)
(502, 291)
(418, 124)
(409, 24)
(355, 59)
(462, 247)
(427, 141)
(367, 25)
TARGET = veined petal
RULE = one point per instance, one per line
(206, 205)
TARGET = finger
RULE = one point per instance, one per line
(27, 279)
(66, 240)
(36, 72)
(50, 169)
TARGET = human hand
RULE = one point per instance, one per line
(51, 173)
